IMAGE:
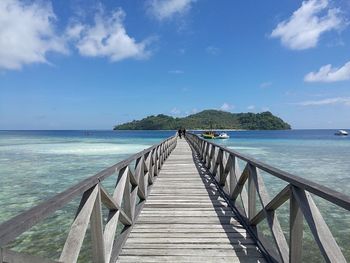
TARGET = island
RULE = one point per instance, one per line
(209, 119)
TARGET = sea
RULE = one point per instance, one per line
(36, 165)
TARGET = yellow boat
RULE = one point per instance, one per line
(209, 135)
(214, 135)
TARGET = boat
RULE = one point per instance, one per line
(214, 135)
(208, 135)
(223, 135)
(341, 133)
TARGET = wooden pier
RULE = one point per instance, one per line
(185, 219)
(185, 200)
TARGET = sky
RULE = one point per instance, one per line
(88, 64)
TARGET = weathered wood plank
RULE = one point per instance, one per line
(77, 231)
(295, 231)
(214, 259)
(97, 242)
(195, 247)
(275, 227)
(252, 252)
(190, 235)
(323, 237)
(276, 202)
(225, 240)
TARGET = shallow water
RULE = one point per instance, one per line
(35, 165)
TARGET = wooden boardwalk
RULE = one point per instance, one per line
(186, 220)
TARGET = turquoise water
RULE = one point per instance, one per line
(35, 165)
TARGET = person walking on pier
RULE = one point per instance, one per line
(179, 133)
(184, 132)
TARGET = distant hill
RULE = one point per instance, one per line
(209, 119)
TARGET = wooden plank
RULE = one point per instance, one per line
(97, 242)
(193, 229)
(109, 233)
(112, 205)
(323, 236)
(240, 184)
(225, 240)
(276, 202)
(295, 231)
(251, 196)
(190, 235)
(195, 247)
(188, 220)
(189, 252)
(189, 213)
(77, 231)
(272, 220)
(194, 259)
(186, 227)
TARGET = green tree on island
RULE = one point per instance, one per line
(209, 119)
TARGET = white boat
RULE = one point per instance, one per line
(341, 133)
(223, 135)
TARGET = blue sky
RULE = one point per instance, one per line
(87, 64)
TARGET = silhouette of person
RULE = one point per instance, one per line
(184, 132)
(180, 133)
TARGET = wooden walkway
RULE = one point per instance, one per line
(186, 220)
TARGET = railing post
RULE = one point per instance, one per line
(206, 153)
(234, 169)
(98, 248)
(223, 174)
(251, 194)
(140, 173)
(296, 231)
(211, 157)
(80, 224)
(202, 150)
(156, 161)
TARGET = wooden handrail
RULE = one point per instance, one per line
(248, 187)
(129, 186)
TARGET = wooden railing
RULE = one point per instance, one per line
(124, 205)
(244, 189)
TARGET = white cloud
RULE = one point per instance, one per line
(27, 33)
(212, 50)
(107, 37)
(226, 107)
(304, 28)
(328, 101)
(176, 71)
(328, 73)
(165, 9)
(265, 109)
